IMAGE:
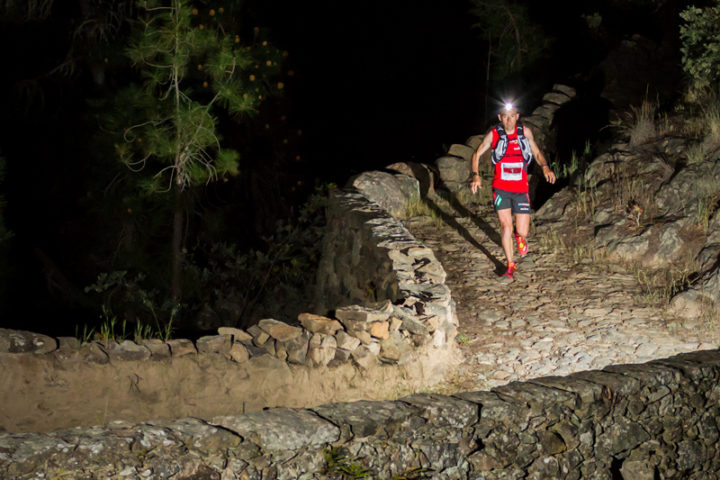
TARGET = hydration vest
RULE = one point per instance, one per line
(502, 145)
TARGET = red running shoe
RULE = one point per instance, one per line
(511, 266)
(521, 244)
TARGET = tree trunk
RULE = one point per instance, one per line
(177, 247)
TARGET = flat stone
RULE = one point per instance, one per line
(214, 344)
(279, 330)
(126, 351)
(20, 341)
(281, 429)
(159, 350)
(181, 346)
(462, 151)
(556, 98)
(319, 324)
(355, 315)
(237, 334)
(445, 411)
(369, 419)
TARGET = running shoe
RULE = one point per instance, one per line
(521, 244)
(510, 270)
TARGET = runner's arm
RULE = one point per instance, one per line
(476, 181)
(539, 157)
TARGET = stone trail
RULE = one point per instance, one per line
(554, 318)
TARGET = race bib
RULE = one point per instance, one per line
(511, 171)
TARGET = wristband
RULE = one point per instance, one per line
(475, 174)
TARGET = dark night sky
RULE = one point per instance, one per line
(385, 81)
(382, 81)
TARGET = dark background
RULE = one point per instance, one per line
(374, 83)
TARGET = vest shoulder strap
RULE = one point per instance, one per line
(519, 130)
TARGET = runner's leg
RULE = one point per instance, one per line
(506, 232)
(522, 224)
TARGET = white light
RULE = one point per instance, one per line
(509, 106)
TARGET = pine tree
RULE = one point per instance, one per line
(192, 70)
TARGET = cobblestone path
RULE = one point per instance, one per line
(554, 318)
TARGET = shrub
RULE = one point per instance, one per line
(700, 37)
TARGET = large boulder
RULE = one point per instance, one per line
(703, 299)
(454, 172)
(392, 192)
(19, 341)
(424, 174)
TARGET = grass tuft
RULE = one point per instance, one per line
(643, 126)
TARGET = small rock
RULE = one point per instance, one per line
(322, 349)
(364, 358)
(380, 330)
(93, 353)
(259, 336)
(346, 342)
(239, 353)
(341, 357)
(394, 349)
(297, 349)
(363, 336)
(395, 324)
(413, 325)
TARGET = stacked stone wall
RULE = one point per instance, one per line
(385, 326)
(648, 421)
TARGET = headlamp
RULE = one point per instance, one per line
(509, 107)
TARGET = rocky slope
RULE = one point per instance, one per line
(651, 203)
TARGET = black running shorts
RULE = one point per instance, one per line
(519, 202)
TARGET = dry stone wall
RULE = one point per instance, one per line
(387, 326)
(639, 422)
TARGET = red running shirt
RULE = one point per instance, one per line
(510, 171)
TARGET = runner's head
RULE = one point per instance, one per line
(508, 116)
